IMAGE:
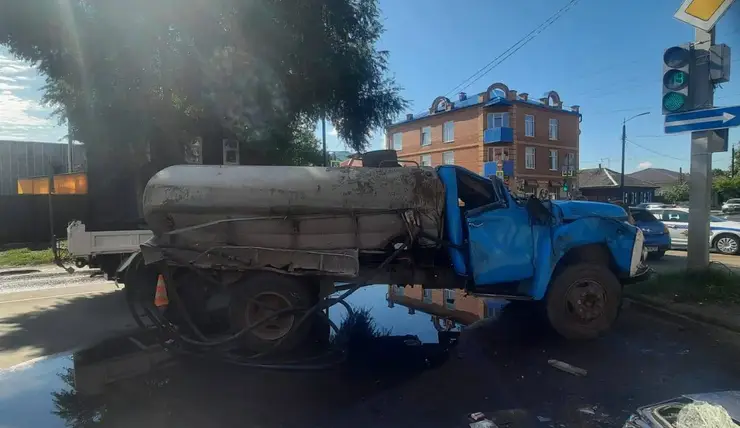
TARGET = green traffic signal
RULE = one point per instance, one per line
(675, 80)
(674, 101)
(565, 187)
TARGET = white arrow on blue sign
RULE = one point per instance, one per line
(702, 120)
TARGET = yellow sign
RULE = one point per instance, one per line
(702, 14)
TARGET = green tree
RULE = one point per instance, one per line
(677, 193)
(140, 78)
(728, 187)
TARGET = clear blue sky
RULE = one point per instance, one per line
(604, 56)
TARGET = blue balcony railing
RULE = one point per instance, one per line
(498, 135)
(490, 168)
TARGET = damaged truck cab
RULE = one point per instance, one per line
(291, 237)
(571, 255)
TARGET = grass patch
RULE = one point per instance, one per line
(26, 257)
(709, 286)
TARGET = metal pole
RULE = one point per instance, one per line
(323, 139)
(700, 174)
(732, 163)
(621, 177)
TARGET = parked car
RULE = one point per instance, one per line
(724, 235)
(657, 235)
(652, 205)
(731, 206)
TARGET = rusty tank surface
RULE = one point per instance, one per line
(287, 207)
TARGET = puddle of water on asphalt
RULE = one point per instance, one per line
(114, 382)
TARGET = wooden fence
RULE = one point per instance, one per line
(25, 218)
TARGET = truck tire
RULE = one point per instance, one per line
(255, 297)
(583, 301)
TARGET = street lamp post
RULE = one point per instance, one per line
(624, 143)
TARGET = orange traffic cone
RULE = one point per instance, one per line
(160, 294)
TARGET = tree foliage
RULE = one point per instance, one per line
(137, 77)
(728, 187)
(677, 193)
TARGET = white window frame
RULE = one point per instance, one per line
(501, 117)
(427, 130)
(230, 146)
(397, 141)
(553, 129)
(425, 160)
(448, 160)
(529, 125)
(530, 154)
(448, 132)
(553, 160)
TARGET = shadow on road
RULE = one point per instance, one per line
(71, 324)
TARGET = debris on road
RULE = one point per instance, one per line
(560, 365)
(587, 410)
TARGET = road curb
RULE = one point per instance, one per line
(11, 272)
(657, 308)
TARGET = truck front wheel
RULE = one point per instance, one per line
(583, 301)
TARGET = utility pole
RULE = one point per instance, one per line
(624, 143)
(323, 139)
(732, 162)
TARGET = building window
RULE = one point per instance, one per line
(448, 131)
(448, 158)
(570, 160)
(398, 141)
(496, 154)
(529, 155)
(426, 136)
(553, 129)
(529, 125)
(498, 120)
(231, 152)
(425, 160)
(427, 298)
(449, 296)
(193, 152)
(553, 160)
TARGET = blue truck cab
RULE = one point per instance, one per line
(571, 257)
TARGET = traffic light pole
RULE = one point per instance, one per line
(700, 180)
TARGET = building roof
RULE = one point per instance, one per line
(606, 178)
(496, 94)
(658, 176)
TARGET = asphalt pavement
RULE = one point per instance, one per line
(497, 366)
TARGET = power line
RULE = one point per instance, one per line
(513, 48)
(657, 153)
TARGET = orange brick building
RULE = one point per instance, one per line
(532, 144)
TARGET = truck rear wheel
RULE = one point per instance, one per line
(583, 301)
(262, 294)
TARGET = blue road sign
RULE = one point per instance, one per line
(702, 120)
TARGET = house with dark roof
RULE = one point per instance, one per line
(602, 184)
(663, 178)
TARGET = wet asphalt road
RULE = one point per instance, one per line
(499, 367)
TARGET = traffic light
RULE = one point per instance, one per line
(677, 67)
(565, 185)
